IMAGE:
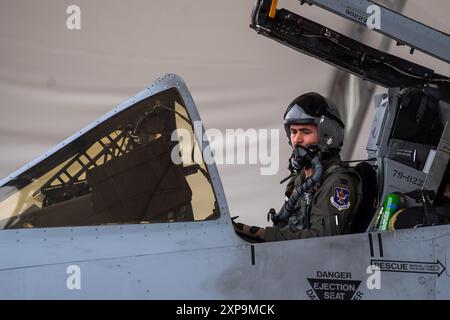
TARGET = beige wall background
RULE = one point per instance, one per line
(54, 81)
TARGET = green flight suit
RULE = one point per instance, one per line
(330, 209)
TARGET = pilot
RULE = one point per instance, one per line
(323, 194)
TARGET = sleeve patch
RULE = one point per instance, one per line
(341, 198)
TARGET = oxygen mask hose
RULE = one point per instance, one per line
(308, 184)
(289, 205)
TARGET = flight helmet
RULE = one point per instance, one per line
(313, 108)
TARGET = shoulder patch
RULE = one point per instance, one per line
(341, 198)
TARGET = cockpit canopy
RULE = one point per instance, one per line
(120, 171)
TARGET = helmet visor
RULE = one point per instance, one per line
(315, 106)
(297, 115)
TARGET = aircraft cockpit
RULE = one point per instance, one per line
(410, 139)
(409, 142)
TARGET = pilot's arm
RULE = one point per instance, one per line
(333, 204)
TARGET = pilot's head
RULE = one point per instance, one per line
(311, 120)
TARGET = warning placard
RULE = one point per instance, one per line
(409, 266)
(333, 289)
